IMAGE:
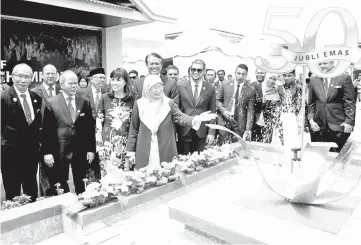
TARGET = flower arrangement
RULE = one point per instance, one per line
(135, 182)
(16, 202)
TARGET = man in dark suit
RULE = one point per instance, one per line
(93, 92)
(195, 97)
(235, 101)
(258, 106)
(68, 133)
(154, 64)
(331, 107)
(48, 89)
(20, 135)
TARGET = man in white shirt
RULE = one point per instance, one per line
(20, 135)
(235, 101)
(68, 134)
(195, 97)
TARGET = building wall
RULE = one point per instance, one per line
(112, 48)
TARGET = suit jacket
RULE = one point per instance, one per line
(245, 113)
(334, 108)
(15, 131)
(62, 137)
(206, 102)
(88, 93)
(258, 107)
(40, 90)
(170, 88)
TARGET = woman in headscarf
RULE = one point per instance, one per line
(152, 131)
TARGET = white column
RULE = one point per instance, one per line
(112, 48)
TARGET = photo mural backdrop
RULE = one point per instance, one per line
(39, 44)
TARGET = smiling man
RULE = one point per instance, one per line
(20, 135)
(154, 64)
(196, 96)
(331, 107)
(68, 134)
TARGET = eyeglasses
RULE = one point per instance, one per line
(23, 76)
(196, 70)
(102, 77)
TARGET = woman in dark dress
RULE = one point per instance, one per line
(115, 107)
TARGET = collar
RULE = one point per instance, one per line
(200, 84)
(66, 97)
(47, 86)
(19, 93)
(94, 89)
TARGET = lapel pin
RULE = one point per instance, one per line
(204, 88)
(35, 101)
(15, 99)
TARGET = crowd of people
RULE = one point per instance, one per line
(78, 54)
(54, 124)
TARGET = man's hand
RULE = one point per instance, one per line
(101, 117)
(210, 139)
(228, 115)
(247, 135)
(207, 116)
(347, 128)
(90, 156)
(49, 160)
(314, 126)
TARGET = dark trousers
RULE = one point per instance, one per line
(328, 135)
(191, 142)
(257, 133)
(18, 170)
(79, 166)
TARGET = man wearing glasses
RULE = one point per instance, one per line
(195, 97)
(154, 64)
(331, 107)
(93, 93)
(20, 135)
(133, 75)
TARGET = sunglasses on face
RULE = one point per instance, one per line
(193, 70)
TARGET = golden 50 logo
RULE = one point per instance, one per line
(308, 54)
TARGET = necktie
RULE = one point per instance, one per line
(51, 88)
(236, 97)
(71, 109)
(196, 93)
(96, 102)
(325, 85)
(26, 108)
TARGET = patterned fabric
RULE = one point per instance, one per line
(71, 109)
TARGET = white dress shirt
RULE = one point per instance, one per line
(200, 87)
(94, 91)
(28, 99)
(234, 94)
(72, 101)
(47, 88)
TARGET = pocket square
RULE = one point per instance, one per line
(337, 86)
(82, 114)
